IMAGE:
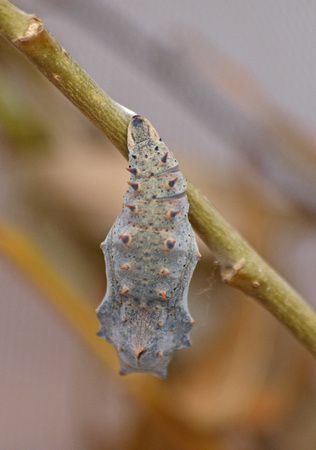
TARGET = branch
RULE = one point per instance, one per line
(241, 267)
(256, 127)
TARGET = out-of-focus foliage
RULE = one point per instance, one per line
(19, 122)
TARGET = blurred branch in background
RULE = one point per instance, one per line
(226, 100)
(76, 310)
(241, 266)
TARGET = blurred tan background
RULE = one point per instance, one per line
(230, 86)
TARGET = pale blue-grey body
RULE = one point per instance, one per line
(150, 255)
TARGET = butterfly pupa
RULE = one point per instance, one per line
(150, 255)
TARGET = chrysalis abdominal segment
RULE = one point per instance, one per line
(150, 255)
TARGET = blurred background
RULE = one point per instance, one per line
(230, 86)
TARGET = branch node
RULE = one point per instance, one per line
(229, 273)
(34, 29)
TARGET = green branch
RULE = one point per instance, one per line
(241, 266)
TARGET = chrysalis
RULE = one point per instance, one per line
(150, 255)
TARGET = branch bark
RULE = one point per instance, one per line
(241, 266)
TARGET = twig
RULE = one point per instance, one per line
(240, 265)
(28, 33)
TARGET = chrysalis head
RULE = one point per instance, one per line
(139, 130)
